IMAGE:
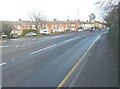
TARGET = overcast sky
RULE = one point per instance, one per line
(59, 9)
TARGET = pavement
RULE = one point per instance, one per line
(100, 68)
(45, 62)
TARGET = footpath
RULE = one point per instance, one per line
(101, 68)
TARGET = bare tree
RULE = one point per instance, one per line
(92, 17)
(110, 14)
(37, 19)
(7, 27)
(105, 6)
(109, 11)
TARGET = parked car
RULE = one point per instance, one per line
(3, 35)
(45, 32)
(107, 28)
(15, 35)
(80, 30)
(30, 34)
(92, 29)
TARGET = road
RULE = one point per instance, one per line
(43, 62)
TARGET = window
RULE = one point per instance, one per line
(18, 27)
(23, 26)
(28, 26)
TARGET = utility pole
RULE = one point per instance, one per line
(68, 17)
(78, 18)
(68, 25)
(77, 15)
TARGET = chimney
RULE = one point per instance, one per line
(67, 19)
(54, 19)
(19, 19)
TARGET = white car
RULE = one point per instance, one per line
(3, 35)
(107, 28)
(45, 32)
(30, 34)
(80, 30)
(15, 35)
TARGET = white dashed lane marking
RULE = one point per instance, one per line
(13, 59)
(2, 63)
(54, 45)
(43, 49)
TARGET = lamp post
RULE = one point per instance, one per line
(77, 15)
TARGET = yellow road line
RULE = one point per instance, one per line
(71, 71)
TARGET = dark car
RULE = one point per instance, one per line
(15, 36)
(92, 29)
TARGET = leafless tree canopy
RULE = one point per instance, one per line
(106, 6)
(110, 14)
(37, 18)
(92, 17)
(7, 27)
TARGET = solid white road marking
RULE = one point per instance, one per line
(24, 45)
(45, 39)
(70, 39)
(54, 45)
(4, 46)
(2, 63)
(75, 66)
(43, 49)
(1, 41)
(13, 59)
(16, 46)
(76, 77)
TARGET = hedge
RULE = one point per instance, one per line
(25, 31)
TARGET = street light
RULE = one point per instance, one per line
(77, 15)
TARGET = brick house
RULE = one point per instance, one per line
(99, 24)
(55, 26)
(52, 26)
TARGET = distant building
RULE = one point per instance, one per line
(86, 25)
(98, 24)
(54, 26)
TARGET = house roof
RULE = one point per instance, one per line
(100, 22)
(48, 22)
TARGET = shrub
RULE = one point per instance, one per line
(7, 28)
(25, 31)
